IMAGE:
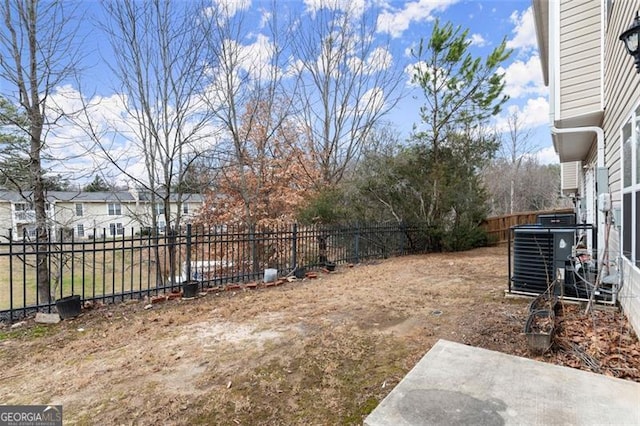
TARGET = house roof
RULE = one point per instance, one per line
(194, 198)
(82, 197)
(541, 20)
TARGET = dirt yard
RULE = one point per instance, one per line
(320, 351)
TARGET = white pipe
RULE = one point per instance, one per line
(599, 135)
(599, 164)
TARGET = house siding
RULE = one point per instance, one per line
(591, 73)
(95, 218)
(580, 58)
(621, 95)
(622, 90)
(6, 220)
(570, 177)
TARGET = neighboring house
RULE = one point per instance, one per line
(594, 100)
(91, 214)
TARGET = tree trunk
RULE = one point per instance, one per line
(511, 195)
(39, 202)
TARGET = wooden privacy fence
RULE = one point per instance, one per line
(497, 227)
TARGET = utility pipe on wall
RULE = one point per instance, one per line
(599, 135)
(599, 164)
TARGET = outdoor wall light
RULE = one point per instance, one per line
(631, 38)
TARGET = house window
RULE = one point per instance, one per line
(116, 229)
(630, 135)
(115, 209)
(80, 230)
(79, 209)
(159, 209)
(185, 208)
(31, 232)
(24, 212)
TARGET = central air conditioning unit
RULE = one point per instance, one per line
(561, 219)
(538, 252)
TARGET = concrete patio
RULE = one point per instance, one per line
(464, 385)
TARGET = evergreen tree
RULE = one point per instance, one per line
(98, 184)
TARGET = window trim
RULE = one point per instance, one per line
(630, 193)
(115, 229)
(114, 209)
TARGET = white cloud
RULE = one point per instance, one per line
(412, 72)
(354, 7)
(265, 18)
(70, 150)
(372, 101)
(408, 51)
(116, 135)
(477, 40)
(524, 78)
(253, 60)
(379, 60)
(230, 7)
(257, 57)
(534, 113)
(547, 156)
(422, 69)
(396, 21)
(524, 31)
(294, 68)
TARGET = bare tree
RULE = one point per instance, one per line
(537, 187)
(158, 65)
(247, 91)
(517, 147)
(348, 81)
(39, 51)
(160, 74)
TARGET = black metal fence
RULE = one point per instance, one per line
(133, 265)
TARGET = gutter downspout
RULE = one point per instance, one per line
(599, 134)
(600, 225)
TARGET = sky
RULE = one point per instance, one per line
(489, 22)
(404, 23)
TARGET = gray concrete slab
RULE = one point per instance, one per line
(455, 384)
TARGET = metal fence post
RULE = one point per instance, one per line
(188, 253)
(11, 276)
(294, 247)
(356, 243)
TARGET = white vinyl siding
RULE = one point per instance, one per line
(580, 58)
(570, 177)
(622, 96)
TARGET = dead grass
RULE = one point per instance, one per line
(320, 351)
